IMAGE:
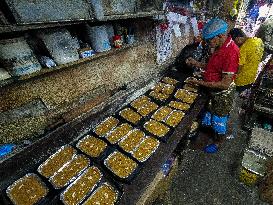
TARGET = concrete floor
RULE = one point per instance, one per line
(211, 179)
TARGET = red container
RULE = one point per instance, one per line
(117, 41)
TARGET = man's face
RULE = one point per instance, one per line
(238, 41)
(214, 42)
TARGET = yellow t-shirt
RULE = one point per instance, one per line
(251, 53)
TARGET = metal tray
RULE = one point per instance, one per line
(50, 159)
(78, 181)
(128, 179)
(73, 177)
(32, 189)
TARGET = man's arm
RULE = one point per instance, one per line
(223, 84)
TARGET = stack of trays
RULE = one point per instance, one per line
(168, 116)
(185, 96)
(253, 167)
(27, 190)
(261, 140)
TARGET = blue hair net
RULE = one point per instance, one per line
(214, 27)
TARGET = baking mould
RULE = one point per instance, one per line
(69, 172)
(75, 193)
(28, 190)
(56, 161)
(106, 126)
(92, 146)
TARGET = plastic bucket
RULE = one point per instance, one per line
(17, 57)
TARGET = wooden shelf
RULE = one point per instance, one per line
(133, 15)
(45, 71)
(26, 27)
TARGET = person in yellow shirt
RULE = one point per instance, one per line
(251, 53)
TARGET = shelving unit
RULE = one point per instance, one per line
(26, 27)
(46, 71)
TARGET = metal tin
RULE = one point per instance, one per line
(150, 154)
(31, 190)
(140, 101)
(179, 105)
(147, 109)
(160, 136)
(262, 141)
(114, 131)
(135, 122)
(57, 164)
(130, 175)
(185, 96)
(190, 88)
(103, 199)
(88, 188)
(104, 123)
(169, 80)
(136, 144)
(164, 116)
(254, 162)
(167, 121)
(93, 145)
(73, 176)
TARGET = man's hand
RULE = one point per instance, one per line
(194, 82)
(194, 63)
(191, 62)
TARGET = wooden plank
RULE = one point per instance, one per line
(46, 71)
(26, 27)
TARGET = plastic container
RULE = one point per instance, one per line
(61, 45)
(110, 32)
(4, 74)
(98, 38)
(17, 57)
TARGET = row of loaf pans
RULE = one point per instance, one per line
(56, 194)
